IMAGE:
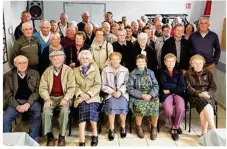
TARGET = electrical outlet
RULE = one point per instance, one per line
(10, 30)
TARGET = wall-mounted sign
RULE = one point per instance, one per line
(188, 5)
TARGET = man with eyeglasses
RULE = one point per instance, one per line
(26, 45)
(21, 92)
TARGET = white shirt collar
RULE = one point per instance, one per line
(45, 38)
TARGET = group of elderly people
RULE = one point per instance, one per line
(107, 73)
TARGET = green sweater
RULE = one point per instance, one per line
(28, 48)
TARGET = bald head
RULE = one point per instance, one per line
(27, 29)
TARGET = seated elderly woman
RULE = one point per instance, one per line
(201, 89)
(55, 45)
(88, 85)
(143, 90)
(172, 87)
(114, 81)
(80, 45)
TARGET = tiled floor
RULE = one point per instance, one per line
(163, 139)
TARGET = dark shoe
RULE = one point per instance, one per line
(94, 141)
(174, 134)
(61, 140)
(50, 139)
(153, 134)
(139, 132)
(81, 143)
(123, 132)
(179, 131)
(111, 135)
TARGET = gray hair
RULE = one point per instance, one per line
(142, 36)
(85, 53)
(64, 14)
(88, 24)
(44, 22)
(103, 23)
(19, 57)
(204, 18)
(159, 17)
(135, 22)
(121, 30)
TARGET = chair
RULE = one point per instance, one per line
(190, 109)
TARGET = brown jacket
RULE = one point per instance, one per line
(11, 87)
(196, 84)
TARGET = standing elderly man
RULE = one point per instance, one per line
(89, 33)
(21, 91)
(125, 48)
(57, 87)
(109, 17)
(69, 40)
(63, 24)
(85, 19)
(108, 36)
(54, 27)
(135, 28)
(25, 17)
(43, 36)
(206, 43)
(26, 45)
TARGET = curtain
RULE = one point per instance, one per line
(207, 9)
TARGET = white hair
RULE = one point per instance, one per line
(159, 17)
(20, 57)
(88, 24)
(85, 53)
(74, 23)
(144, 18)
(106, 24)
(142, 36)
(25, 24)
(95, 25)
(85, 12)
(55, 35)
(44, 22)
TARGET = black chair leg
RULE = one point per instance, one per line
(158, 124)
(70, 123)
(216, 116)
(185, 119)
(101, 115)
(190, 119)
(130, 121)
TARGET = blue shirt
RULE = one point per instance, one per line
(207, 46)
(42, 44)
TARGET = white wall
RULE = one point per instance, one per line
(132, 9)
(218, 12)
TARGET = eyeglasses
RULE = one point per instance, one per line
(28, 29)
(22, 63)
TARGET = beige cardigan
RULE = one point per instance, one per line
(67, 79)
(90, 84)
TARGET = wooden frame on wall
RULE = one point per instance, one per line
(223, 36)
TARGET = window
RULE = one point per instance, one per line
(5, 54)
